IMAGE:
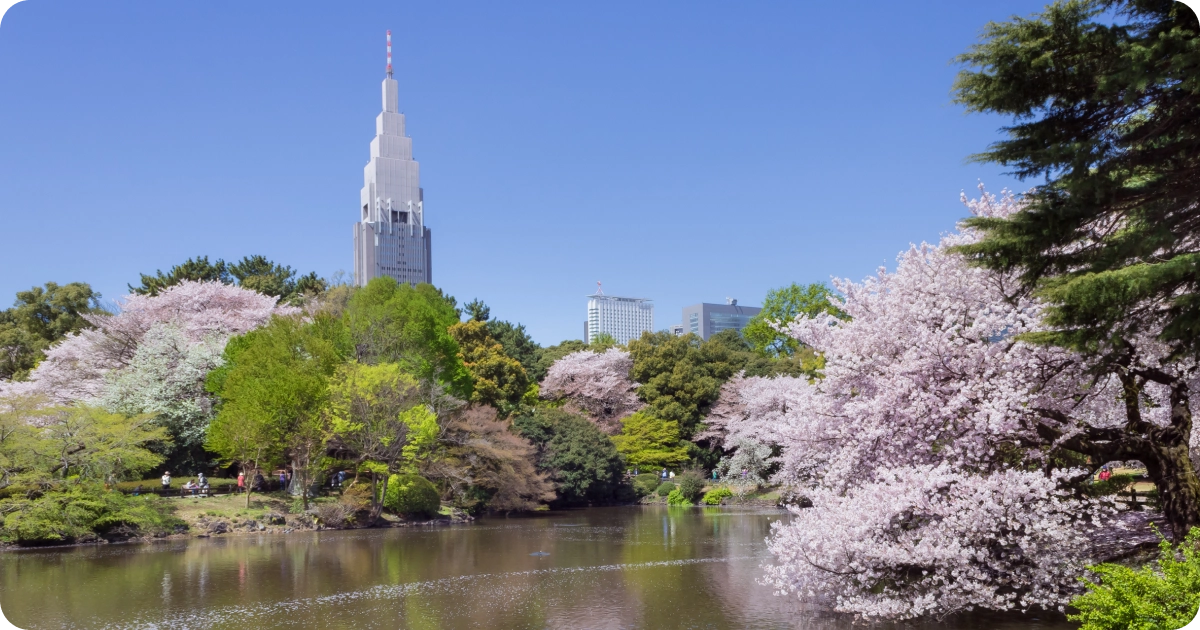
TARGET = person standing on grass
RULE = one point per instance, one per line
(166, 480)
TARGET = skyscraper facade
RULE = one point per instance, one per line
(390, 238)
(623, 318)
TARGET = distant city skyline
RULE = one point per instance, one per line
(558, 146)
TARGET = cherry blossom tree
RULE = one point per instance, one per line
(933, 398)
(596, 384)
(153, 356)
(165, 377)
(78, 367)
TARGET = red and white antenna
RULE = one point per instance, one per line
(599, 291)
(389, 40)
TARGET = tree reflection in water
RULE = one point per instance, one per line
(632, 567)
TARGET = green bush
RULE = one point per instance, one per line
(645, 484)
(1165, 595)
(580, 458)
(676, 498)
(666, 488)
(82, 512)
(716, 495)
(412, 495)
(691, 486)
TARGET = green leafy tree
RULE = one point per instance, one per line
(781, 306)
(1105, 99)
(273, 390)
(397, 323)
(804, 362)
(681, 377)
(376, 414)
(520, 346)
(649, 442)
(40, 317)
(581, 460)
(498, 379)
(602, 342)
(94, 444)
(1163, 596)
(22, 456)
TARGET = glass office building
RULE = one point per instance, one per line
(706, 320)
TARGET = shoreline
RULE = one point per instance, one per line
(208, 529)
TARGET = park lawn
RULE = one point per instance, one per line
(231, 506)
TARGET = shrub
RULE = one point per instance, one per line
(676, 498)
(412, 495)
(335, 514)
(666, 488)
(81, 512)
(1163, 596)
(356, 497)
(645, 484)
(716, 495)
(691, 486)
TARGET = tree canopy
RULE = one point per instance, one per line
(256, 273)
(581, 460)
(497, 379)
(397, 323)
(38, 318)
(780, 307)
(1105, 99)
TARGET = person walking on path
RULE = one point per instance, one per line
(241, 481)
(166, 480)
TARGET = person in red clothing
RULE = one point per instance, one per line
(241, 481)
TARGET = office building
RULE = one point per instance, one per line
(390, 238)
(622, 317)
(706, 320)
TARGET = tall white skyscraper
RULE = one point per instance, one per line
(622, 317)
(390, 238)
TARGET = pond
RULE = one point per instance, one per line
(624, 567)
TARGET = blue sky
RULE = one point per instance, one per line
(684, 152)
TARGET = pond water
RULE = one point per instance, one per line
(626, 567)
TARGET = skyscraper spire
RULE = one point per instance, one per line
(390, 238)
(389, 66)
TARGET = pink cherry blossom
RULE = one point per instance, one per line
(931, 413)
(595, 383)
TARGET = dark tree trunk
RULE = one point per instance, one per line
(376, 501)
(1163, 449)
(1170, 468)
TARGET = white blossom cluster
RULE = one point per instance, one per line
(596, 383)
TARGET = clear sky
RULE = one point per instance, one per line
(680, 151)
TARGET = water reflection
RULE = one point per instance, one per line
(606, 568)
